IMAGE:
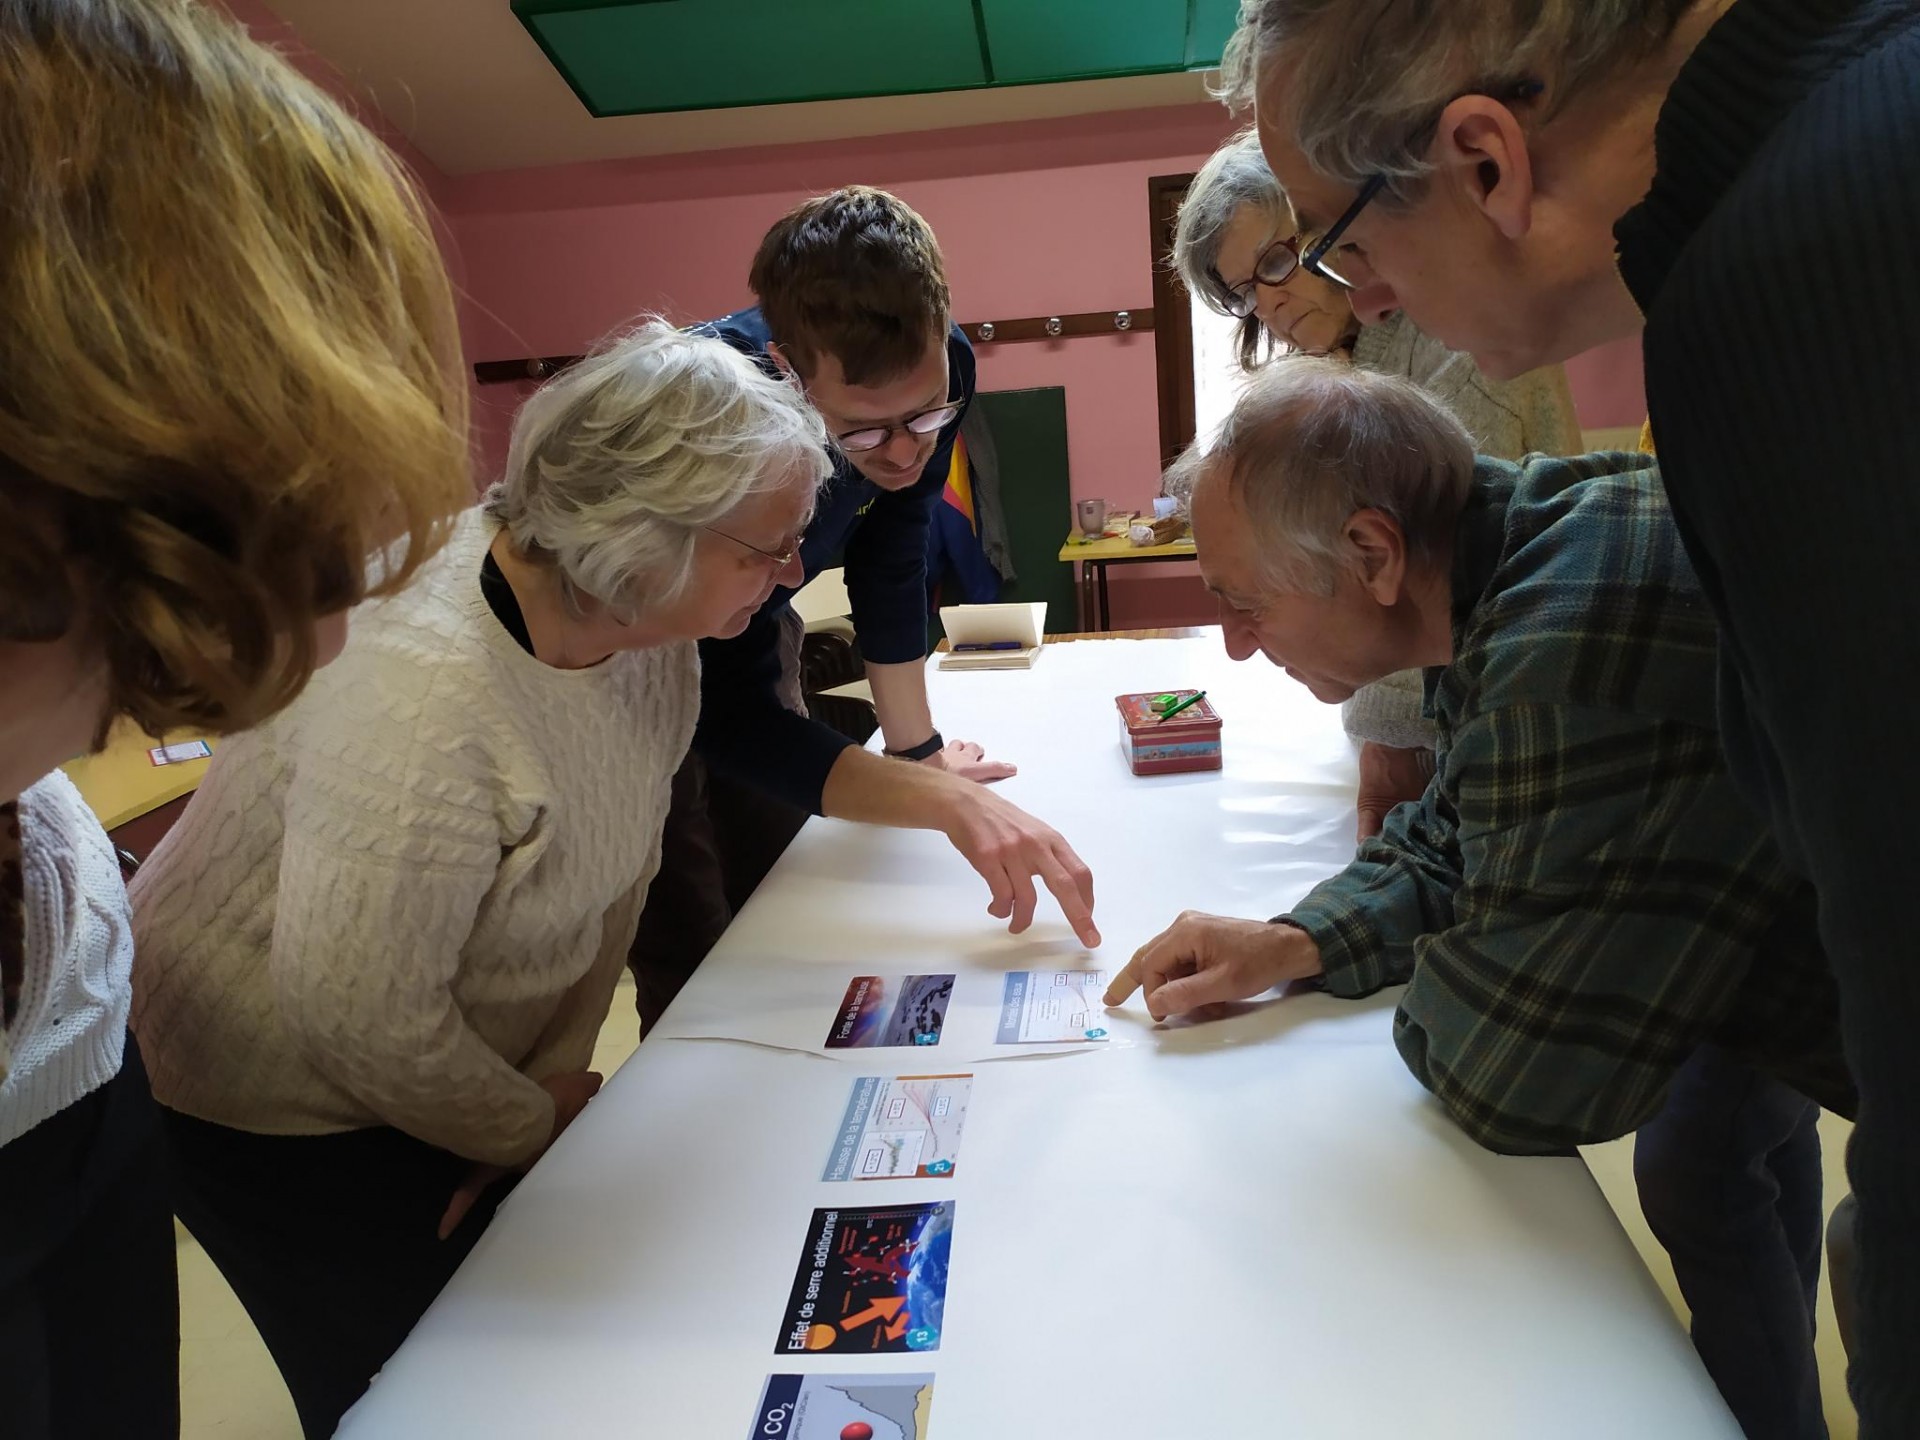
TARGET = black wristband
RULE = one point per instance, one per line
(932, 745)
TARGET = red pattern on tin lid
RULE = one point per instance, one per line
(1141, 718)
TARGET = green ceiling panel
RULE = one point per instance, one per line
(1213, 22)
(1036, 40)
(627, 57)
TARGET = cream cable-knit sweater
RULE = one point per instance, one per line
(68, 1037)
(405, 900)
(1508, 419)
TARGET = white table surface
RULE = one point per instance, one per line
(1258, 1227)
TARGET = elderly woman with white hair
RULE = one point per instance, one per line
(1236, 246)
(376, 951)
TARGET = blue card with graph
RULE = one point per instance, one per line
(1050, 1007)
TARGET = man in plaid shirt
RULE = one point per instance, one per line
(1581, 899)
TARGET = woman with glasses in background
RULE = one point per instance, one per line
(377, 950)
(1236, 247)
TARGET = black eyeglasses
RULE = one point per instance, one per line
(1314, 258)
(781, 558)
(1273, 266)
(872, 437)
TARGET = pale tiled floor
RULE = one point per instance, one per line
(228, 1386)
(230, 1390)
(1612, 1166)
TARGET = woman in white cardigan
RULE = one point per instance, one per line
(1236, 247)
(377, 949)
(229, 370)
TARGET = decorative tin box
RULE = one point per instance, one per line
(1185, 739)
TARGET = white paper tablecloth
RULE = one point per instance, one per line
(1260, 1227)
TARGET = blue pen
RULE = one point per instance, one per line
(992, 645)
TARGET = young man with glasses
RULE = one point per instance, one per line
(854, 309)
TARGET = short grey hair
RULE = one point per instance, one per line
(1370, 77)
(1236, 178)
(1312, 440)
(617, 463)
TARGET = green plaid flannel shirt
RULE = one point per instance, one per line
(1581, 897)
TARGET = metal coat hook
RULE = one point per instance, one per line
(1060, 327)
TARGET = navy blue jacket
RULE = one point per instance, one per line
(1774, 260)
(880, 537)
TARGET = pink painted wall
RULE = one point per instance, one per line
(1035, 218)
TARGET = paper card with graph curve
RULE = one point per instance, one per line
(1046, 1007)
(844, 1407)
(903, 1127)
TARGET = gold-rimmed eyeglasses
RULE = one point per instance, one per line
(781, 558)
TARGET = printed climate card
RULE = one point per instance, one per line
(887, 1010)
(844, 1407)
(871, 1281)
(1039, 1007)
(905, 1127)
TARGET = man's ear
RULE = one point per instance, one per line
(1380, 549)
(782, 362)
(1480, 150)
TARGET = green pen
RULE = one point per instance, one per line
(1171, 711)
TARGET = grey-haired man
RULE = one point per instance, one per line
(1527, 178)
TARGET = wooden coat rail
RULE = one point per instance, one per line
(984, 332)
(1060, 327)
(538, 367)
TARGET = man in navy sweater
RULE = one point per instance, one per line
(854, 308)
(1528, 180)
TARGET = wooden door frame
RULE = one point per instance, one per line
(1172, 318)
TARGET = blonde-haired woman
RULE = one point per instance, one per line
(378, 948)
(228, 371)
(1237, 248)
